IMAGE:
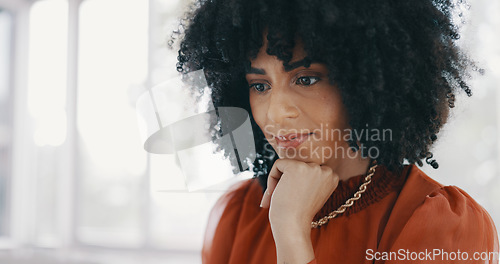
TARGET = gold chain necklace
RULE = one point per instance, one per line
(349, 202)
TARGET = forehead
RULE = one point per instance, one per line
(299, 55)
(298, 51)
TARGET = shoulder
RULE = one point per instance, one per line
(244, 192)
(225, 218)
(436, 199)
(449, 210)
(429, 215)
(230, 204)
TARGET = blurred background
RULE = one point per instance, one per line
(76, 185)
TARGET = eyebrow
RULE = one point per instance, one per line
(306, 62)
(253, 70)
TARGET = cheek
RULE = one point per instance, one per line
(332, 110)
(260, 107)
(258, 110)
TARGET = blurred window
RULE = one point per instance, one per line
(46, 102)
(6, 109)
(112, 58)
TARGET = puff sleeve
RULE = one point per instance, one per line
(448, 227)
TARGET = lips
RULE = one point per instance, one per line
(292, 140)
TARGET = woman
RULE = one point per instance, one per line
(342, 94)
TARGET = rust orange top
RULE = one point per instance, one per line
(399, 217)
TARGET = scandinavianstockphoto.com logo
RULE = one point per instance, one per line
(336, 140)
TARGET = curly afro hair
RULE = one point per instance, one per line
(396, 63)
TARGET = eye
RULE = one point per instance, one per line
(307, 80)
(260, 87)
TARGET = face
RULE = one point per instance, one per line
(299, 111)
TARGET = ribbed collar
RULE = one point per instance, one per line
(383, 182)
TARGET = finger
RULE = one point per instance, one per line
(272, 180)
(279, 167)
(334, 176)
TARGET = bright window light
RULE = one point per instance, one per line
(47, 71)
(112, 59)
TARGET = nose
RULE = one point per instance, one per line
(282, 107)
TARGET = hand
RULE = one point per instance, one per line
(296, 191)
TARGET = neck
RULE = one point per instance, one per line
(350, 166)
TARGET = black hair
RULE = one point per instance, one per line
(396, 63)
